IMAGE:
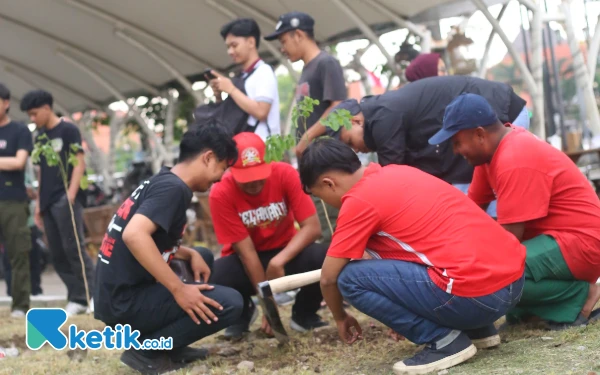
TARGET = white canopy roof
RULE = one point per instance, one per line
(64, 46)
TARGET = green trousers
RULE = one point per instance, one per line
(17, 243)
(332, 213)
(550, 292)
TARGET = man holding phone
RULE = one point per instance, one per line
(261, 97)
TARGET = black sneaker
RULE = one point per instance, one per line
(188, 354)
(159, 363)
(483, 338)
(430, 359)
(304, 324)
(237, 331)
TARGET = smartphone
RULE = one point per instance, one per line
(208, 74)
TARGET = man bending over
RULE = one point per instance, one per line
(443, 270)
(134, 283)
(543, 199)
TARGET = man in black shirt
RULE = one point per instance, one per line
(53, 201)
(397, 125)
(322, 79)
(15, 147)
(134, 283)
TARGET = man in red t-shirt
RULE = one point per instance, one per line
(254, 210)
(543, 199)
(442, 271)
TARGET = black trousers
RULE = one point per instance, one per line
(229, 271)
(156, 314)
(63, 247)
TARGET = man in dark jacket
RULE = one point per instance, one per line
(398, 124)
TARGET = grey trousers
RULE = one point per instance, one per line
(63, 247)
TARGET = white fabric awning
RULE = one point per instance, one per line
(54, 44)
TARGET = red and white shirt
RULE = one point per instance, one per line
(268, 218)
(540, 186)
(399, 212)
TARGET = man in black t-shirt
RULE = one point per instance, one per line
(134, 283)
(15, 147)
(52, 206)
(397, 125)
(322, 79)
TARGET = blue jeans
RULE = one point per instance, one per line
(522, 119)
(491, 210)
(402, 296)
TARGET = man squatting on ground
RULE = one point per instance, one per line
(544, 200)
(134, 283)
(444, 270)
(253, 209)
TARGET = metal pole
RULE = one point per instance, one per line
(528, 78)
(537, 55)
(556, 75)
(593, 52)
(366, 30)
(161, 61)
(488, 45)
(548, 92)
(524, 35)
(401, 22)
(581, 73)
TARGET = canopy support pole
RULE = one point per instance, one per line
(423, 33)
(270, 46)
(123, 24)
(18, 69)
(34, 84)
(161, 61)
(67, 46)
(582, 76)
(158, 146)
(593, 52)
(527, 76)
(362, 25)
(488, 45)
(537, 69)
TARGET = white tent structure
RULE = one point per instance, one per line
(91, 52)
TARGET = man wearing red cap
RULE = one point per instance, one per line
(254, 208)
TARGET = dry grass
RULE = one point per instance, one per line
(524, 351)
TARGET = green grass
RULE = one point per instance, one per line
(525, 350)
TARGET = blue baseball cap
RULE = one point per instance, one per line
(468, 111)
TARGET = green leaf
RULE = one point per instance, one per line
(84, 183)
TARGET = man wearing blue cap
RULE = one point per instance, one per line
(322, 79)
(543, 199)
(397, 125)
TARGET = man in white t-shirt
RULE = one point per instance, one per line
(261, 101)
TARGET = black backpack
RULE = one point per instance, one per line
(226, 113)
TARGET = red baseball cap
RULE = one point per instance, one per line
(250, 165)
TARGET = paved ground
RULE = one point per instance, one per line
(53, 288)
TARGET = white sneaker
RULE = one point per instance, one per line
(17, 314)
(90, 309)
(74, 308)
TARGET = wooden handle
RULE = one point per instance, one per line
(286, 283)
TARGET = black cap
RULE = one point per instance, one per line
(4, 92)
(292, 21)
(352, 106)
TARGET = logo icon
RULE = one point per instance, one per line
(43, 326)
(250, 157)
